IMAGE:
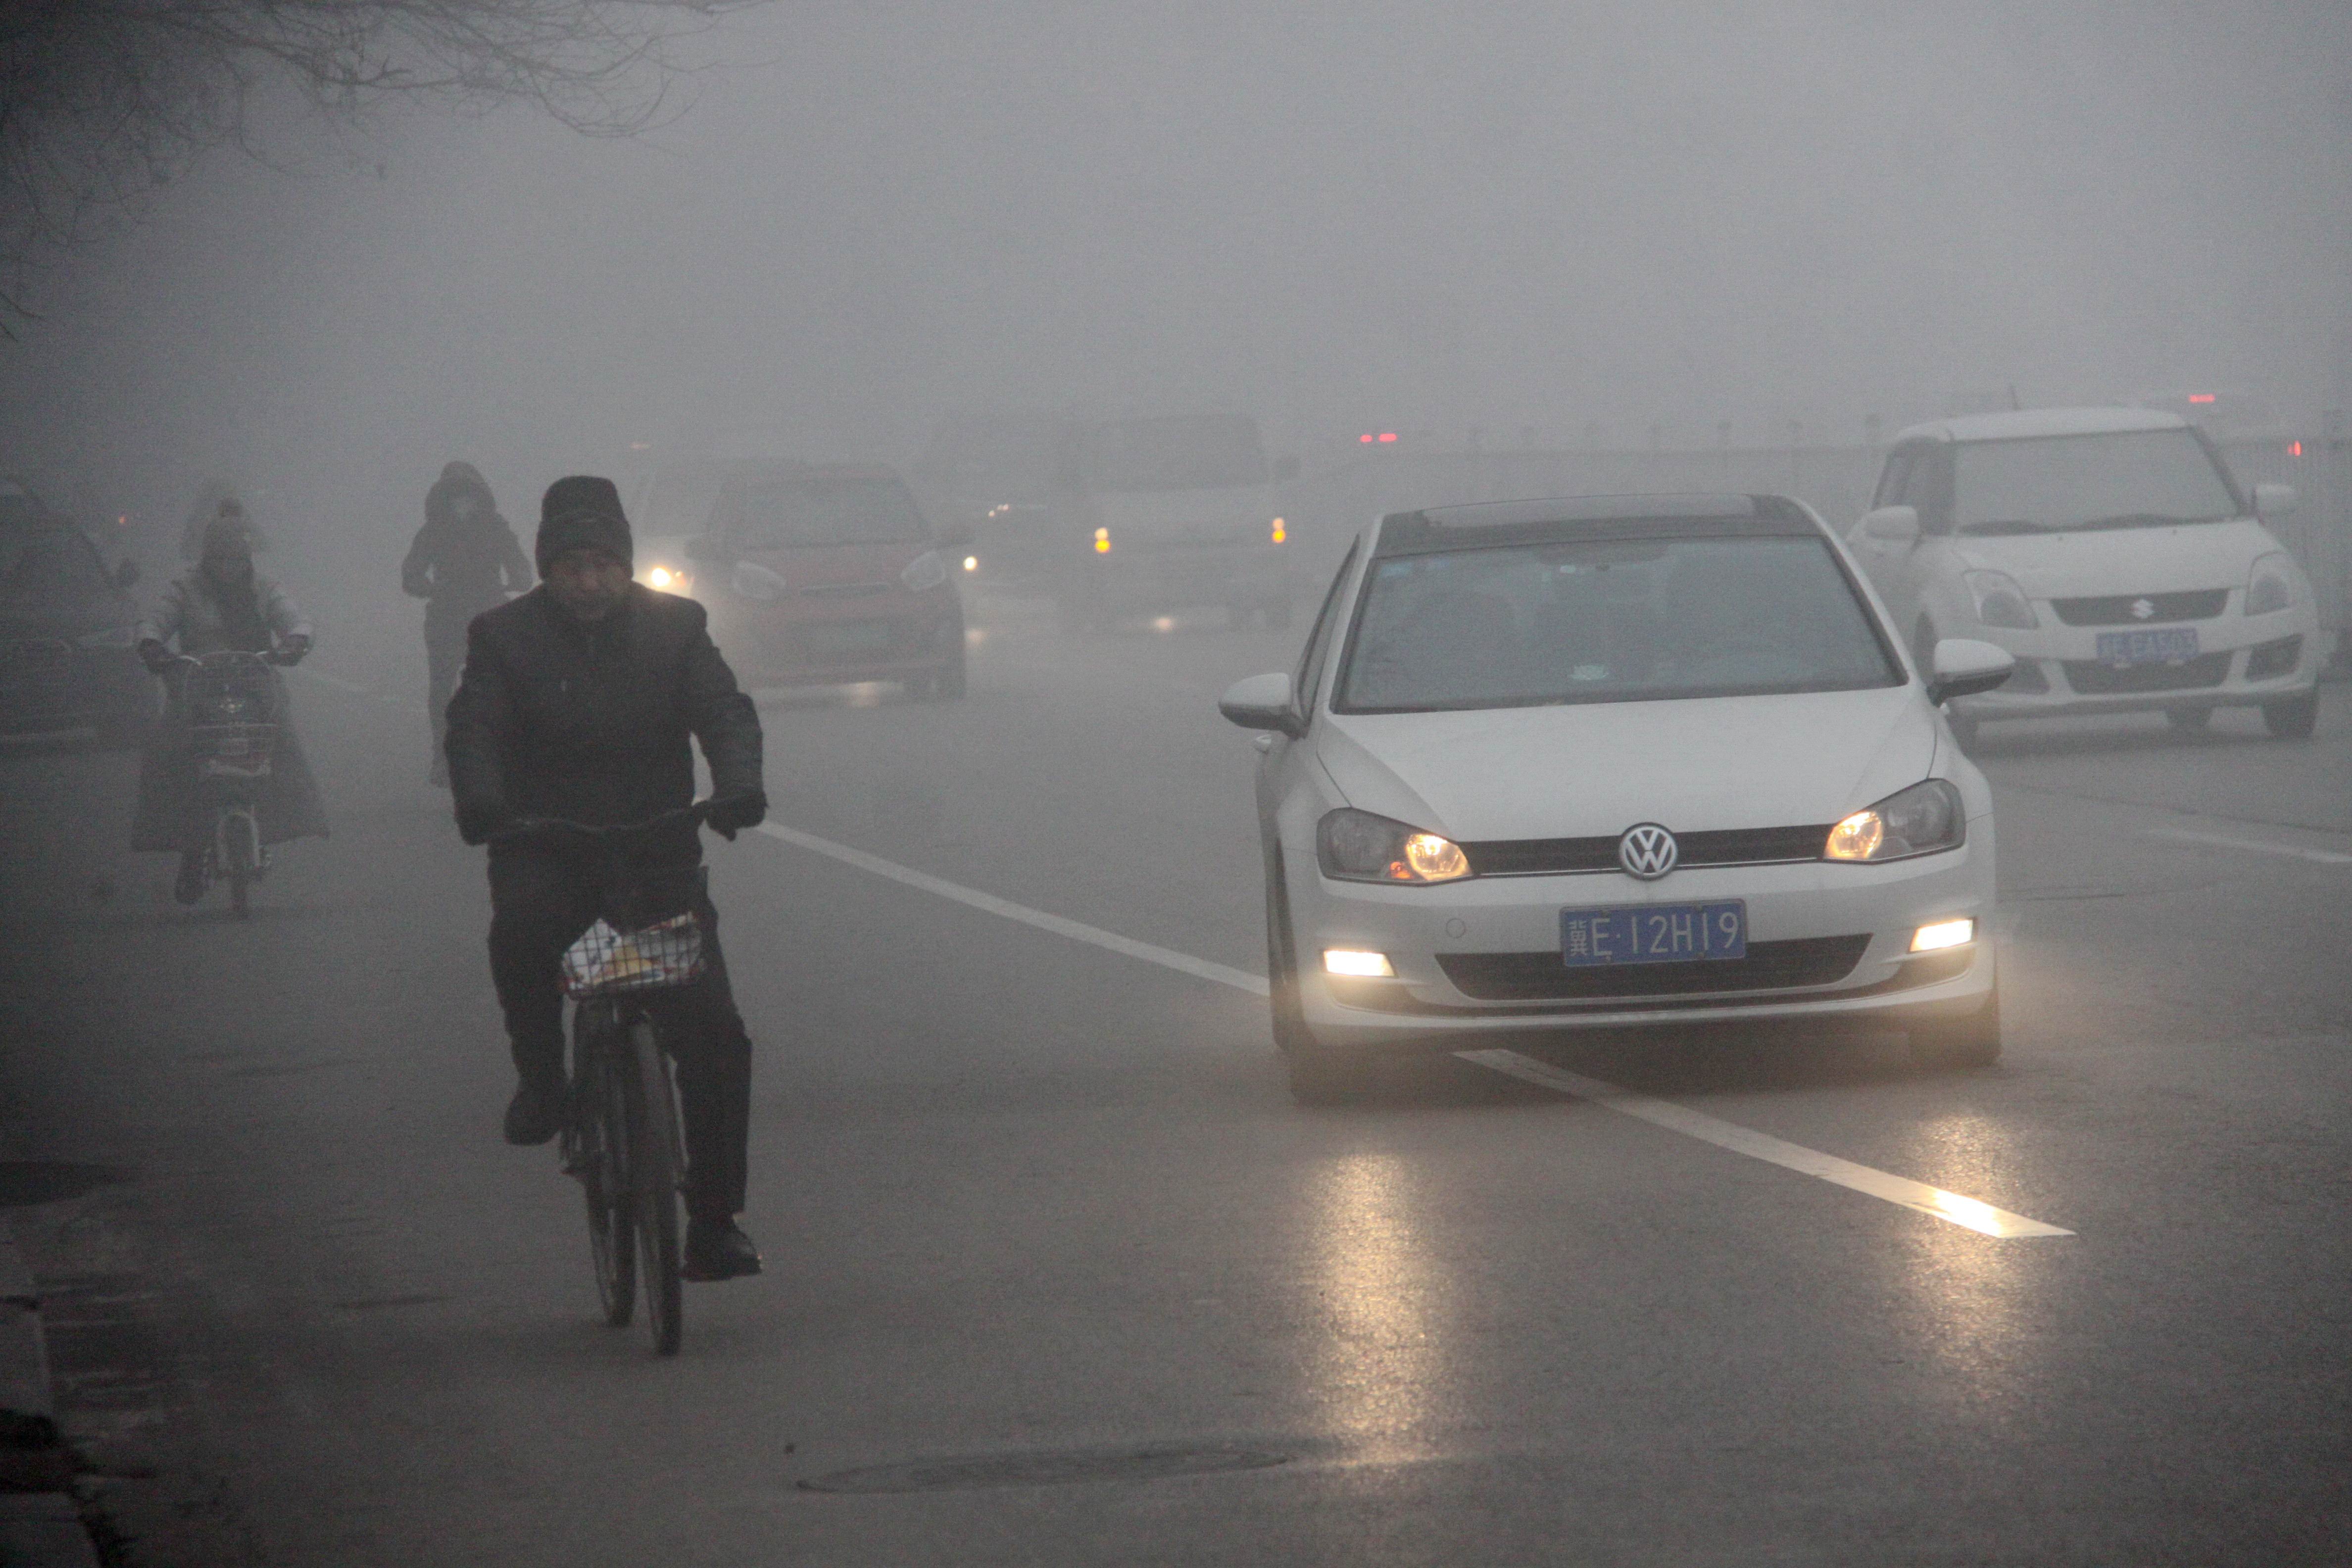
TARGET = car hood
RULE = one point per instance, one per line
(1202, 516)
(2123, 561)
(1592, 769)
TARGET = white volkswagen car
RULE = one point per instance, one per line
(2111, 552)
(1613, 763)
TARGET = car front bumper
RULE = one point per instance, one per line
(2241, 661)
(1491, 934)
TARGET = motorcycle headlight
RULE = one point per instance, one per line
(756, 582)
(1358, 846)
(924, 572)
(112, 636)
(2000, 601)
(2270, 587)
(1921, 820)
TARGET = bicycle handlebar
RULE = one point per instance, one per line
(555, 826)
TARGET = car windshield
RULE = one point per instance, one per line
(825, 509)
(2136, 478)
(1609, 621)
(43, 565)
(1197, 452)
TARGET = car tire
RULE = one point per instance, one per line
(1318, 1074)
(1959, 1045)
(2292, 718)
(2189, 720)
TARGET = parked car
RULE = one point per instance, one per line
(66, 624)
(1650, 762)
(2111, 552)
(826, 574)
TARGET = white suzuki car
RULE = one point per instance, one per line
(1611, 762)
(2110, 551)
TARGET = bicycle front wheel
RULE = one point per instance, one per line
(653, 1172)
(600, 1132)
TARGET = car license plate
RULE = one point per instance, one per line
(851, 636)
(2163, 645)
(1653, 933)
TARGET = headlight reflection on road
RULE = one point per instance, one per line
(1380, 1366)
(1975, 1304)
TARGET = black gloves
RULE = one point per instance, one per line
(478, 820)
(291, 651)
(729, 814)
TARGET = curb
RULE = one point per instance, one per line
(40, 1521)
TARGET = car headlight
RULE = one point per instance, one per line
(2270, 587)
(112, 636)
(756, 582)
(1281, 531)
(1921, 820)
(924, 570)
(2000, 601)
(668, 579)
(1358, 846)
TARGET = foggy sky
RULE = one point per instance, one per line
(1338, 217)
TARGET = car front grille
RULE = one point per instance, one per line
(1722, 847)
(2266, 660)
(2119, 609)
(853, 642)
(2092, 679)
(1544, 977)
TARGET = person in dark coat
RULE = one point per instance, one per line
(579, 701)
(463, 560)
(221, 603)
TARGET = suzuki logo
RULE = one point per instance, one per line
(1648, 851)
(2142, 609)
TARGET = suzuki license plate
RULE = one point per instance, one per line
(2164, 645)
(1653, 933)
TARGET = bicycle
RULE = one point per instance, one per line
(622, 1138)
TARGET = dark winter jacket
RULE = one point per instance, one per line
(463, 568)
(590, 724)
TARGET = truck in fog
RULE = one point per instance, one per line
(1149, 516)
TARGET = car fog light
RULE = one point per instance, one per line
(1943, 934)
(971, 563)
(1358, 964)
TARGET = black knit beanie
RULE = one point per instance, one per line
(581, 510)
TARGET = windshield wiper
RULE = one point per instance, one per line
(2006, 525)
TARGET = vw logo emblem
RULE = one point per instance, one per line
(1648, 851)
(2142, 609)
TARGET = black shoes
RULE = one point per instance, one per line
(720, 1251)
(535, 1114)
(191, 885)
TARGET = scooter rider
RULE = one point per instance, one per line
(579, 700)
(217, 604)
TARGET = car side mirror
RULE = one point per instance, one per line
(1890, 525)
(2275, 501)
(954, 536)
(126, 575)
(1964, 667)
(1262, 702)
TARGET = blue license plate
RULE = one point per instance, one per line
(1653, 933)
(2164, 645)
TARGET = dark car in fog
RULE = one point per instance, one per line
(67, 626)
(819, 574)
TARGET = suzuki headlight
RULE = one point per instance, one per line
(1357, 846)
(2000, 601)
(2271, 586)
(924, 570)
(112, 636)
(1921, 820)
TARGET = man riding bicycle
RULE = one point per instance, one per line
(576, 703)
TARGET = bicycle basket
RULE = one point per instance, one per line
(604, 961)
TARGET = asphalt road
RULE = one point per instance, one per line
(1057, 1273)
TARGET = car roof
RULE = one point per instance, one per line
(2032, 422)
(1478, 524)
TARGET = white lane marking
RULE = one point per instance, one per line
(1183, 962)
(2253, 845)
(1961, 1210)
(1972, 1213)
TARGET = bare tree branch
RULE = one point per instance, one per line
(104, 102)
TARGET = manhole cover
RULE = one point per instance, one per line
(1044, 1469)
